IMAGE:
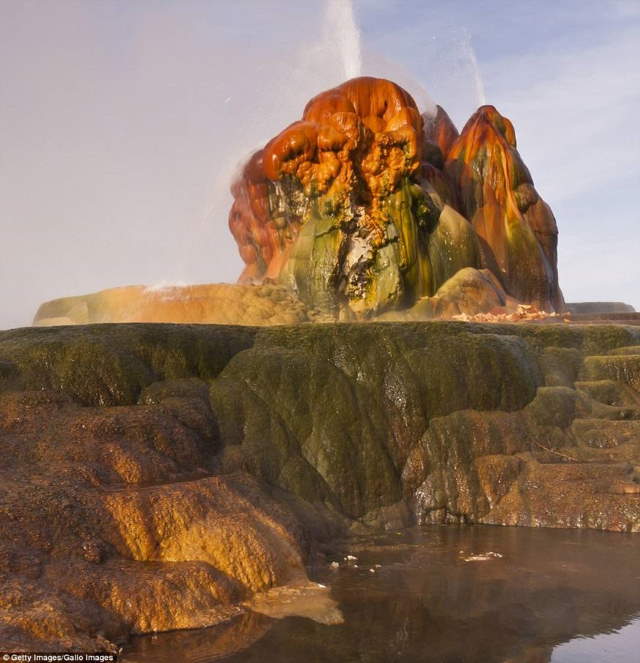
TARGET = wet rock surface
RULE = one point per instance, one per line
(156, 477)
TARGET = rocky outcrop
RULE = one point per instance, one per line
(211, 303)
(115, 521)
(329, 206)
(157, 476)
(365, 206)
(516, 228)
(464, 294)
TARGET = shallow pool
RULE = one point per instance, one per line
(448, 595)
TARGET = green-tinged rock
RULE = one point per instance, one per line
(560, 366)
(452, 246)
(290, 406)
(553, 406)
(162, 473)
(629, 350)
(609, 392)
(622, 368)
(111, 364)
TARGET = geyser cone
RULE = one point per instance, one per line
(351, 206)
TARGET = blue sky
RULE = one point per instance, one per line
(121, 123)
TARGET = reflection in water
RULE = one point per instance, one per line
(622, 645)
(310, 600)
(199, 646)
(463, 594)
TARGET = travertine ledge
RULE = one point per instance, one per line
(155, 476)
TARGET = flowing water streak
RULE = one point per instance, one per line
(342, 25)
(477, 76)
(262, 100)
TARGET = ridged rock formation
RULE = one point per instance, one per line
(154, 477)
(362, 206)
(516, 228)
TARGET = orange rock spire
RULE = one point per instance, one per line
(517, 230)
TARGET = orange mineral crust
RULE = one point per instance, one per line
(517, 230)
(363, 134)
(365, 205)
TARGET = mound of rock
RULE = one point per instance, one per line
(365, 206)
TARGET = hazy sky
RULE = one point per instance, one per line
(122, 121)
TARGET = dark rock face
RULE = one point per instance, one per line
(365, 206)
(155, 476)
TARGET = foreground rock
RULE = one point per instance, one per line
(157, 476)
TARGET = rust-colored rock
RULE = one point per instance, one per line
(333, 207)
(364, 133)
(517, 229)
(346, 205)
(364, 207)
(441, 131)
(122, 526)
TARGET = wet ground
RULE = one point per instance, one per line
(443, 594)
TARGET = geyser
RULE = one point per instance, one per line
(365, 208)
(360, 208)
(341, 21)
